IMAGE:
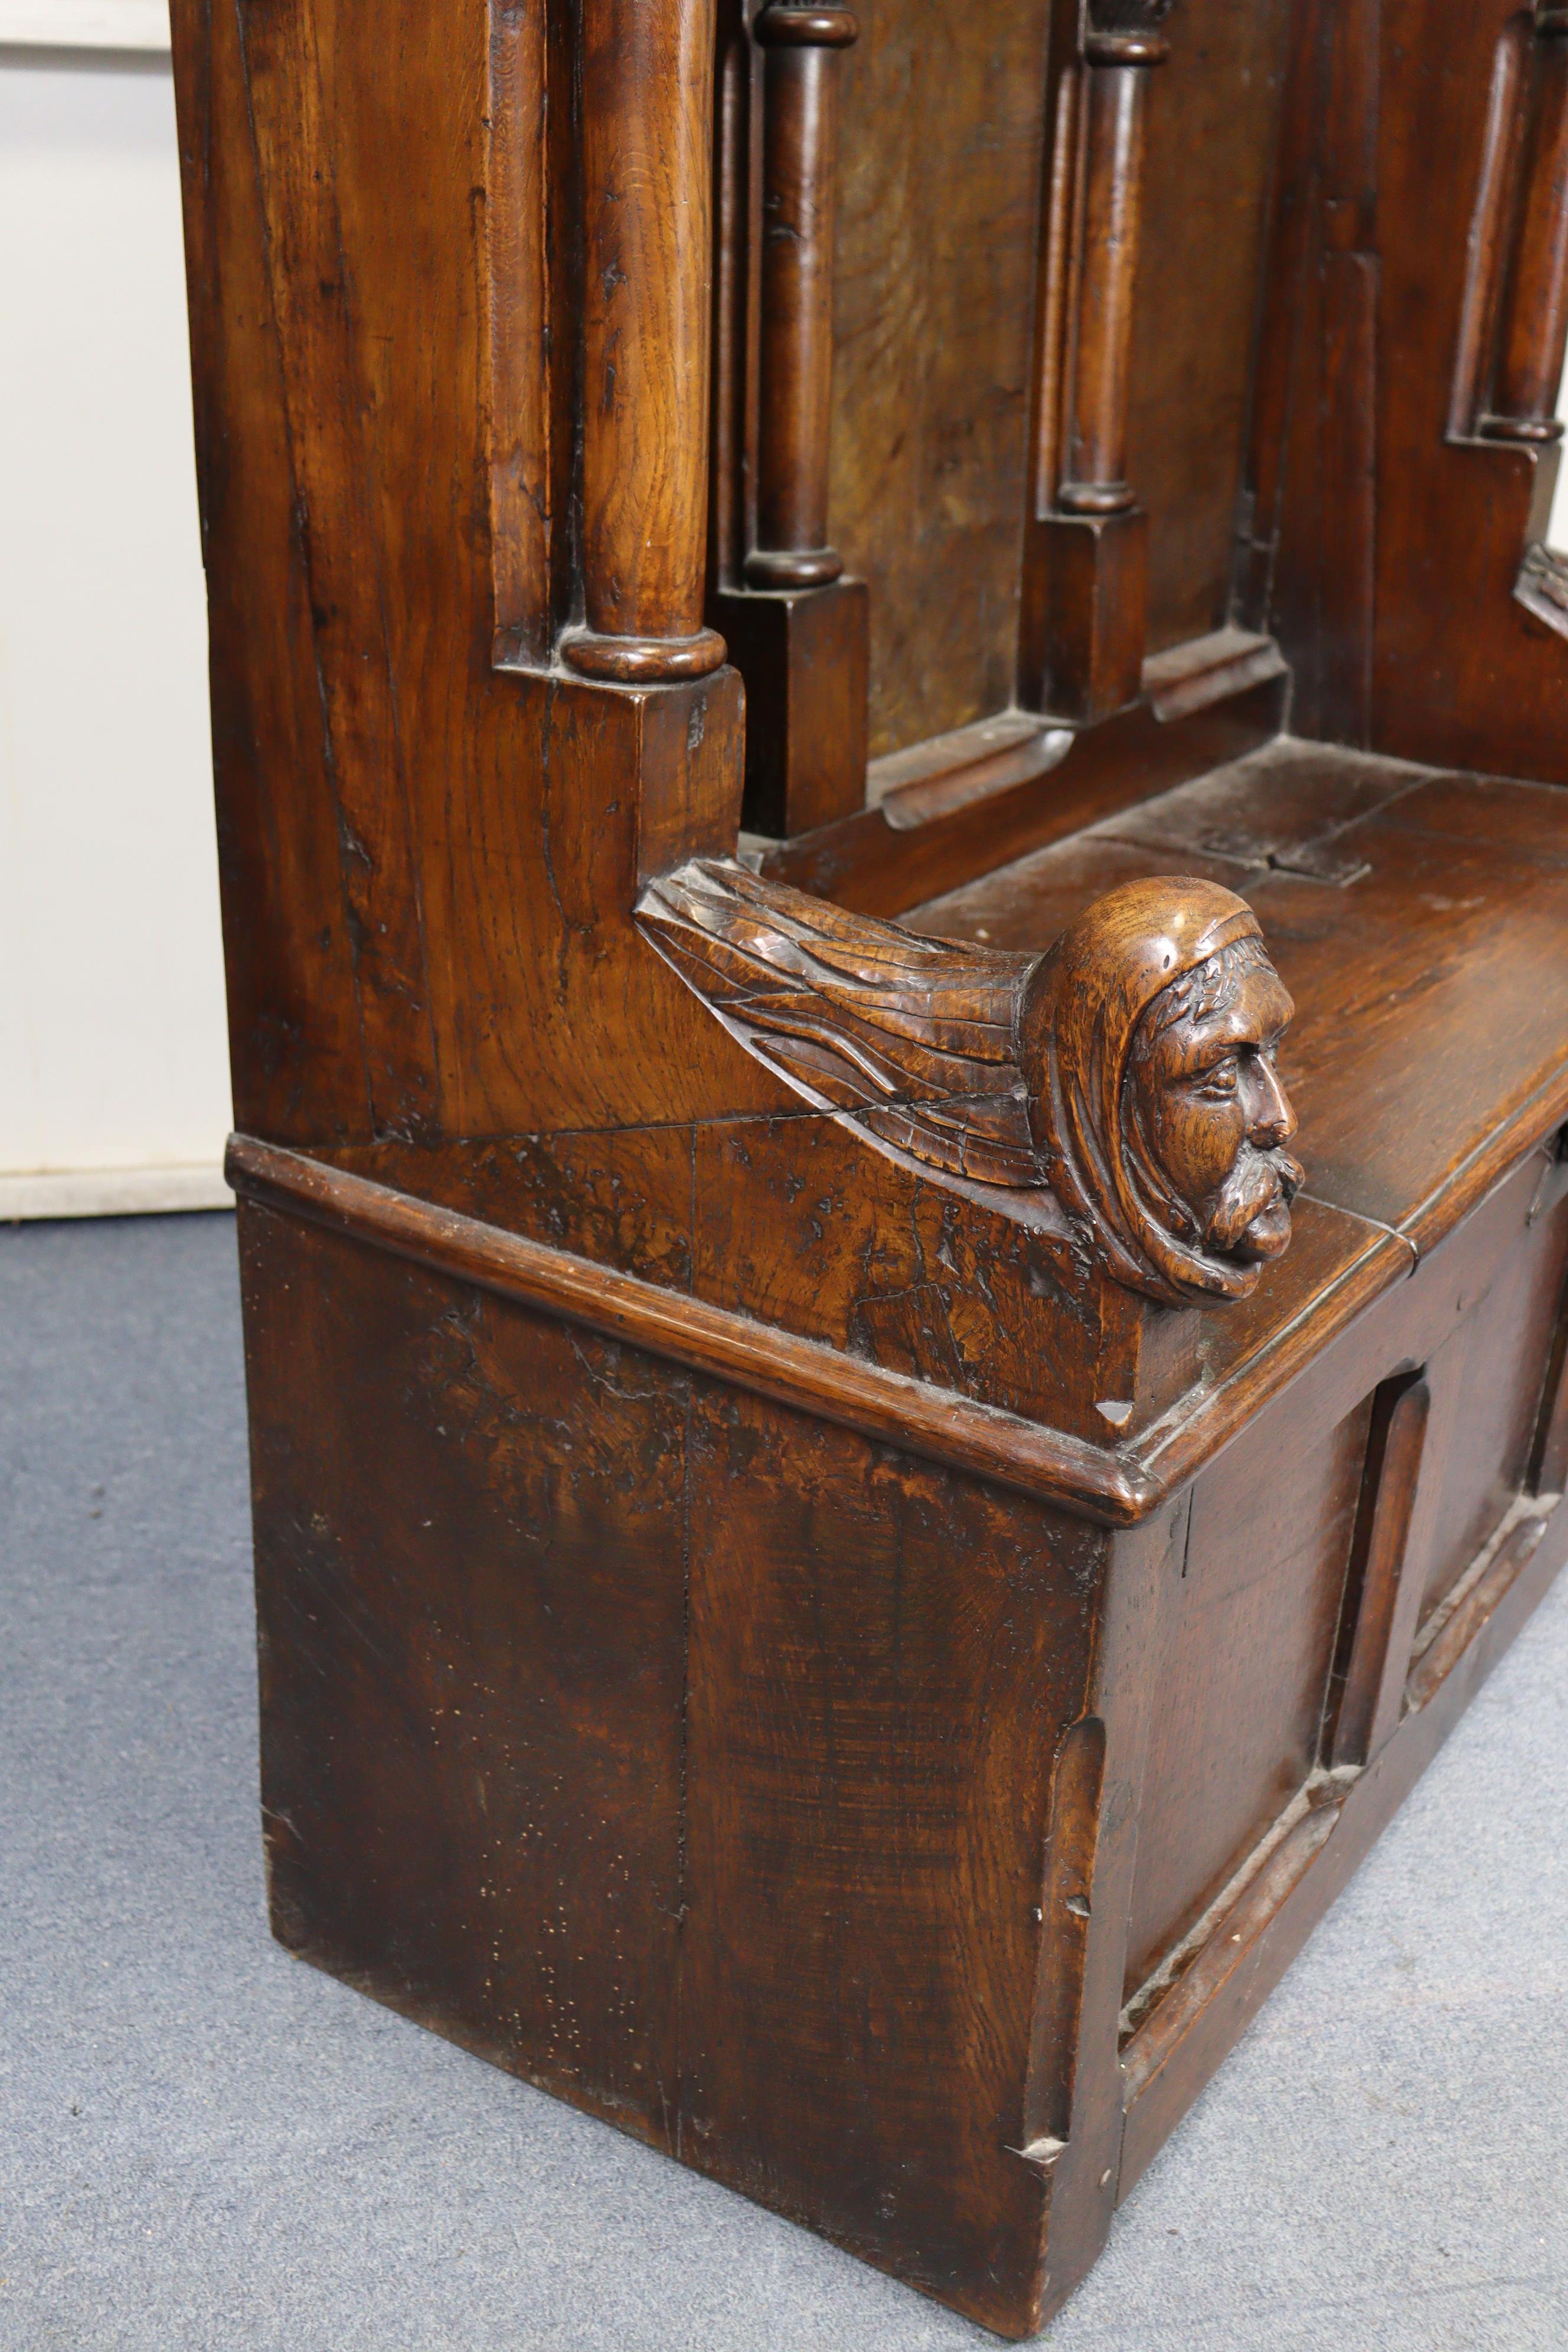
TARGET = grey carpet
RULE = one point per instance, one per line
(204, 2144)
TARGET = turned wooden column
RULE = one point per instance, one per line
(1117, 72)
(798, 631)
(646, 143)
(1082, 624)
(800, 144)
(1535, 310)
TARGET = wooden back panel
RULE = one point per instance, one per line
(1213, 125)
(941, 131)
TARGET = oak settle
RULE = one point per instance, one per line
(890, 722)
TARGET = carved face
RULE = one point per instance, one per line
(1210, 1118)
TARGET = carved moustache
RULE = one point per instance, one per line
(1260, 1181)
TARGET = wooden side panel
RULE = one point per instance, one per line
(1212, 115)
(885, 1659)
(429, 863)
(942, 106)
(1462, 672)
(797, 1222)
(295, 1037)
(470, 1581)
(1250, 1643)
(1487, 1385)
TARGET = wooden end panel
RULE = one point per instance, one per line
(885, 1659)
(1250, 1633)
(1487, 1383)
(1177, 2049)
(469, 1580)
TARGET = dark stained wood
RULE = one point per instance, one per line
(1271, 1936)
(805, 655)
(1213, 114)
(1081, 615)
(1452, 897)
(1094, 479)
(1066, 1909)
(871, 863)
(297, 1047)
(1475, 677)
(870, 1744)
(802, 643)
(1244, 1666)
(859, 1522)
(332, 455)
(1366, 1709)
(1455, 1631)
(800, 177)
(430, 1832)
(1535, 312)
(1181, 2009)
(878, 1403)
(737, 160)
(940, 139)
(1492, 227)
(1549, 1457)
(1081, 633)
(1486, 1380)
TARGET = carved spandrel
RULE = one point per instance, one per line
(1121, 1085)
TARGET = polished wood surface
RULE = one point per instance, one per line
(941, 143)
(645, 107)
(1535, 315)
(800, 185)
(1211, 166)
(906, 1274)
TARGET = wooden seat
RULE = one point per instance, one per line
(890, 719)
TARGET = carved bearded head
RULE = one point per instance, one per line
(1128, 1071)
(1149, 1035)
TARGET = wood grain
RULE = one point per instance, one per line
(647, 109)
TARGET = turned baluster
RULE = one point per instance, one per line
(1118, 64)
(647, 72)
(796, 361)
(1535, 315)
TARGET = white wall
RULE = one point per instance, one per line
(114, 1061)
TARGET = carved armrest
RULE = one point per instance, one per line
(1121, 1085)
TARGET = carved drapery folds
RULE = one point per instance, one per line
(1120, 1087)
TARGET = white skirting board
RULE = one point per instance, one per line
(85, 24)
(112, 1192)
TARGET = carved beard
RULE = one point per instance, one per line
(1251, 1218)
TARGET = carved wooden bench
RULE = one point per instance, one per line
(904, 1262)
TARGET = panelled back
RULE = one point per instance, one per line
(940, 139)
(1213, 121)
